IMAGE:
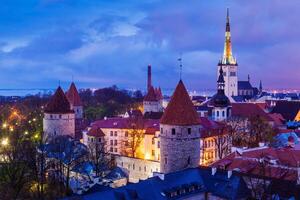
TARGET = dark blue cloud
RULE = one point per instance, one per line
(102, 43)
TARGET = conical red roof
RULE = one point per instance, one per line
(73, 96)
(58, 103)
(180, 110)
(151, 96)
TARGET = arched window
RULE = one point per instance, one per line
(223, 113)
(217, 113)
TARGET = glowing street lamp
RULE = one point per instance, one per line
(4, 142)
(11, 129)
(26, 132)
(4, 125)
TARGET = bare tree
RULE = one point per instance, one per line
(134, 136)
(223, 145)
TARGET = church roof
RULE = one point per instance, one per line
(244, 85)
(73, 96)
(58, 103)
(151, 95)
(180, 110)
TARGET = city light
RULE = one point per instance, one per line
(26, 132)
(4, 142)
(4, 125)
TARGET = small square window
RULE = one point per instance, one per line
(189, 130)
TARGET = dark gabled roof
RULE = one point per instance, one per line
(73, 96)
(200, 179)
(153, 115)
(151, 95)
(58, 103)
(244, 85)
(180, 110)
(288, 109)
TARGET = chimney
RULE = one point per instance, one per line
(149, 80)
(213, 170)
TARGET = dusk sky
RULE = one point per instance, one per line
(104, 43)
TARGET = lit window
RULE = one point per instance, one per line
(153, 152)
(153, 141)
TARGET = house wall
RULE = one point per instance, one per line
(58, 124)
(139, 169)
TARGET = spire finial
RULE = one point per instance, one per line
(59, 83)
(180, 64)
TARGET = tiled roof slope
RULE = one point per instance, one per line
(180, 110)
(58, 103)
(73, 96)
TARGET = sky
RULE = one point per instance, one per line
(99, 43)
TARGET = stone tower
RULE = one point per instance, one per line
(219, 103)
(59, 118)
(153, 101)
(229, 64)
(76, 105)
(179, 133)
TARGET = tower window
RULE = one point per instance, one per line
(217, 113)
(232, 74)
(166, 160)
(223, 113)
(173, 131)
(189, 130)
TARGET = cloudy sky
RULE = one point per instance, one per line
(105, 42)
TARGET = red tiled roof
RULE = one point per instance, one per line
(73, 96)
(58, 103)
(124, 123)
(248, 110)
(212, 128)
(95, 132)
(151, 95)
(249, 162)
(180, 110)
(158, 93)
(288, 109)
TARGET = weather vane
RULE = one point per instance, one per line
(180, 64)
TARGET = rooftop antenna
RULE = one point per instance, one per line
(180, 64)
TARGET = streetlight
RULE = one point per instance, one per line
(4, 142)
(4, 125)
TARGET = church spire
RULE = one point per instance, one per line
(228, 58)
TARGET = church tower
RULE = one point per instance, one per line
(179, 133)
(229, 64)
(219, 103)
(76, 105)
(59, 118)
